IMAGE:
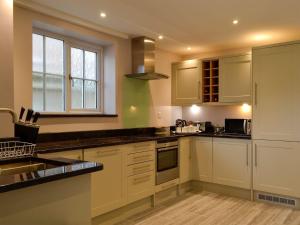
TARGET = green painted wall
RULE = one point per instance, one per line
(136, 102)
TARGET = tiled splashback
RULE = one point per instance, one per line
(216, 114)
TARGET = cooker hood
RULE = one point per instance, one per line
(143, 60)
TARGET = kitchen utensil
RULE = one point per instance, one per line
(21, 113)
(29, 115)
(35, 117)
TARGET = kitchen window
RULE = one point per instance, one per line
(65, 75)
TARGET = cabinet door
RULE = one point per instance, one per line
(185, 159)
(108, 190)
(72, 154)
(232, 162)
(202, 159)
(235, 79)
(276, 167)
(276, 75)
(186, 82)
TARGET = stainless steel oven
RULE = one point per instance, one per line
(167, 166)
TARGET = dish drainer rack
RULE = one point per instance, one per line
(16, 149)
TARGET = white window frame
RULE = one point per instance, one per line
(86, 46)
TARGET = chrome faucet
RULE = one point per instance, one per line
(11, 112)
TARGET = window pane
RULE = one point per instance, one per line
(77, 94)
(37, 53)
(90, 93)
(54, 56)
(37, 92)
(90, 65)
(76, 62)
(54, 93)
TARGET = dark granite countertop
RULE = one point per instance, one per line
(56, 169)
(84, 143)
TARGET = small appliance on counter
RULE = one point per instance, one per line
(182, 126)
(206, 127)
(238, 126)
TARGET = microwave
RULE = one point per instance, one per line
(238, 126)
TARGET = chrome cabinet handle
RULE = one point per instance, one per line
(247, 156)
(255, 93)
(255, 155)
(199, 89)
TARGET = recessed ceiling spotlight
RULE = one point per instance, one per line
(189, 48)
(235, 22)
(103, 14)
(160, 37)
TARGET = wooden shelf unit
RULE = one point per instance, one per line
(210, 87)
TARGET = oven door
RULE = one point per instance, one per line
(167, 164)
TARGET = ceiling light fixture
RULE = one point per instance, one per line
(103, 14)
(235, 22)
(160, 37)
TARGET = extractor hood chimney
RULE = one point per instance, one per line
(143, 60)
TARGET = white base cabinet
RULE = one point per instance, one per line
(276, 167)
(140, 171)
(232, 162)
(185, 159)
(108, 185)
(71, 154)
(202, 159)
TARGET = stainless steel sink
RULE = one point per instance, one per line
(21, 167)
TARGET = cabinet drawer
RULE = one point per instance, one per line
(140, 157)
(140, 168)
(141, 182)
(141, 147)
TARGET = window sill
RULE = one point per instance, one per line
(75, 115)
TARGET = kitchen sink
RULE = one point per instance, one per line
(17, 166)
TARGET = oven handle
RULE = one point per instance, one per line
(167, 148)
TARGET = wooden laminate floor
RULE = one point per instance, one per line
(213, 209)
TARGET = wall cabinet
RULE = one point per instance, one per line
(108, 185)
(276, 167)
(235, 79)
(202, 159)
(276, 92)
(72, 154)
(185, 159)
(187, 82)
(232, 162)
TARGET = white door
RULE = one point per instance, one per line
(185, 159)
(276, 167)
(232, 162)
(235, 79)
(202, 159)
(276, 86)
(187, 82)
(108, 191)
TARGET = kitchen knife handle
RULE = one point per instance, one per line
(29, 115)
(36, 117)
(21, 113)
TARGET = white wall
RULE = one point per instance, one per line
(160, 90)
(163, 114)
(6, 65)
(215, 114)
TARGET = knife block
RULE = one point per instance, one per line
(26, 132)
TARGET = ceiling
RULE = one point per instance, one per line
(204, 25)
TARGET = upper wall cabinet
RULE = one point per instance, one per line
(276, 92)
(235, 79)
(186, 82)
